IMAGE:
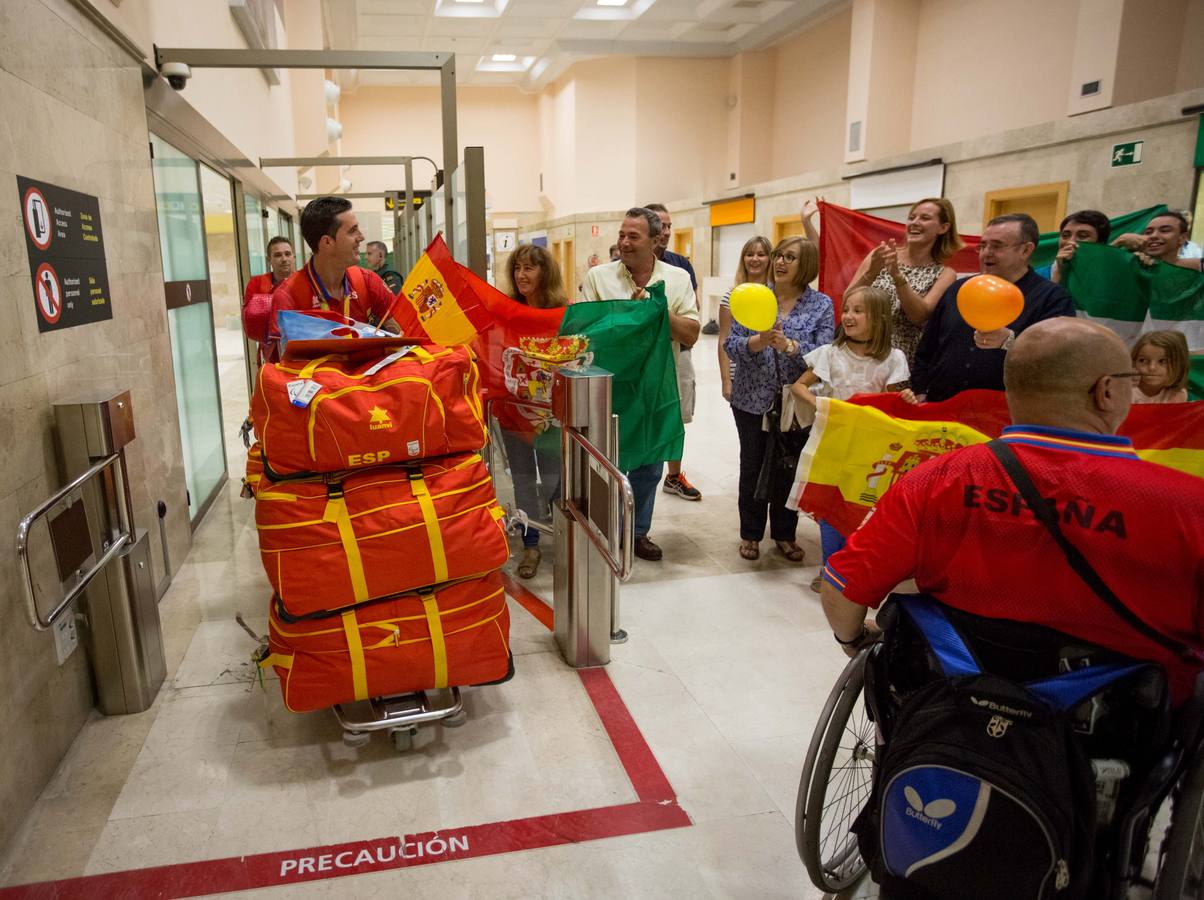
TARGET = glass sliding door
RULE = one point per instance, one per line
(190, 321)
(221, 243)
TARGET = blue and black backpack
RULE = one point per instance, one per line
(983, 789)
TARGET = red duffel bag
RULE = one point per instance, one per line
(346, 411)
(328, 543)
(456, 635)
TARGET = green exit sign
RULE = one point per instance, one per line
(1126, 154)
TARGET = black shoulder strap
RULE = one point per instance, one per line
(1011, 464)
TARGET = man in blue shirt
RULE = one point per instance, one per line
(675, 482)
(953, 357)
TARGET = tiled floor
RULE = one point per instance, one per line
(727, 666)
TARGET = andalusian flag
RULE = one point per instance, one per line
(858, 449)
(630, 338)
(1112, 287)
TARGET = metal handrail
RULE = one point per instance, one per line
(112, 548)
(621, 568)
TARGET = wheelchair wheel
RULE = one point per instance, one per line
(836, 781)
(1181, 876)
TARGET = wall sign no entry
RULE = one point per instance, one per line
(65, 243)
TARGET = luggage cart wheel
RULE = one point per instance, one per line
(356, 738)
(403, 739)
(454, 721)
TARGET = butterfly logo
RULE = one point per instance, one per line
(929, 813)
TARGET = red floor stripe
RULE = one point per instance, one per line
(531, 603)
(656, 810)
(641, 766)
(261, 870)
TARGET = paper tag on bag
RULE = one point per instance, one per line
(391, 358)
(301, 391)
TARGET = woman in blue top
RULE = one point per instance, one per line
(766, 362)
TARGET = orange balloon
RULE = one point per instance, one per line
(988, 302)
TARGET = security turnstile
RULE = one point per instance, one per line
(81, 541)
(592, 522)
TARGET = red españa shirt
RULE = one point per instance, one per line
(958, 525)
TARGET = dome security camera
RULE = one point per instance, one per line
(176, 73)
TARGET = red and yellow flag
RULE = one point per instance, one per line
(858, 449)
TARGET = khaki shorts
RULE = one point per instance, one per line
(685, 384)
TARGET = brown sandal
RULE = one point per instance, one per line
(529, 564)
(750, 550)
(791, 550)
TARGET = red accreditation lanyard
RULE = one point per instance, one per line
(322, 296)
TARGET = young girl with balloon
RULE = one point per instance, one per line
(860, 360)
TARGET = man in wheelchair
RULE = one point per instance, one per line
(1038, 701)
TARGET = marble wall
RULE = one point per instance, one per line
(72, 114)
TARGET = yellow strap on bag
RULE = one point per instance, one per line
(312, 365)
(359, 669)
(336, 511)
(438, 645)
(425, 503)
(276, 659)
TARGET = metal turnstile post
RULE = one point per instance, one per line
(593, 523)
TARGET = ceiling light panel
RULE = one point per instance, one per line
(489, 9)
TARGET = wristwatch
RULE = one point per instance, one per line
(1007, 344)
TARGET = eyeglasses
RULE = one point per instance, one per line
(788, 257)
(996, 246)
(1132, 376)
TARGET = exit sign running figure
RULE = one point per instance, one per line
(1126, 154)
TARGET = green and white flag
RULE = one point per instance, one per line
(1112, 286)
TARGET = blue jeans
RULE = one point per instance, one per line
(644, 482)
(536, 478)
(830, 539)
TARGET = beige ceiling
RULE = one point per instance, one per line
(547, 36)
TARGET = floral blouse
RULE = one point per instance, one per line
(906, 334)
(760, 377)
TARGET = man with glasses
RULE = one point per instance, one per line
(958, 525)
(953, 357)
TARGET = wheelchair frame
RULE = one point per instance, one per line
(838, 776)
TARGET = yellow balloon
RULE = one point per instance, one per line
(754, 306)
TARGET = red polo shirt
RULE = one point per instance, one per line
(260, 284)
(303, 290)
(958, 525)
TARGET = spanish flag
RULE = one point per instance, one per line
(446, 307)
(858, 449)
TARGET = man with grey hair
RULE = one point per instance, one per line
(375, 255)
(960, 527)
(627, 278)
(952, 356)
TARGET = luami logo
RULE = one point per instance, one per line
(380, 419)
(929, 813)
